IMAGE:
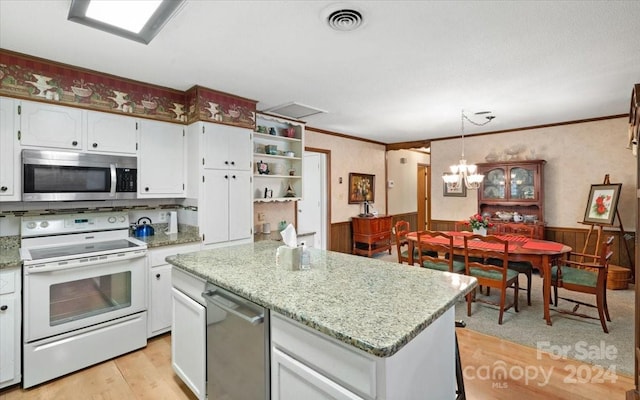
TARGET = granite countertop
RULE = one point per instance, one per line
(160, 238)
(376, 306)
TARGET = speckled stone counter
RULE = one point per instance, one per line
(160, 239)
(9, 251)
(373, 305)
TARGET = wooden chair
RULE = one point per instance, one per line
(490, 275)
(523, 267)
(402, 244)
(429, 251)
(585, 273)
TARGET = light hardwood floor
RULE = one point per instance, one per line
(147, 374)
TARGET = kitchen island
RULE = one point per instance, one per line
(380, 330)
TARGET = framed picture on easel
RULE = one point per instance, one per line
(602, 203)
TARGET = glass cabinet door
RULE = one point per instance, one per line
(494, 184)
(521, 183)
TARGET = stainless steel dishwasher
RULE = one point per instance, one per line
(237, 347)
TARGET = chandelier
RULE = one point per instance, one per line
(463, 172)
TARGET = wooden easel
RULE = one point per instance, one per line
(600, 229)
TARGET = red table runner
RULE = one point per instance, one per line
(490, 246)
(546, 246)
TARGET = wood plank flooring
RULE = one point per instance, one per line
(147, 374)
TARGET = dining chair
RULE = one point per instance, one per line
(401, 230)
(523, 267)
(433, 243)
(490, 275)
(584, 273)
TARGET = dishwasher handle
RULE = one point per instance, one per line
(209, 296)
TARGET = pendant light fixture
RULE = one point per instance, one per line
(463, 172)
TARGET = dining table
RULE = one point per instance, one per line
(540, 253)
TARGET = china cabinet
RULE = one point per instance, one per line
(371, 234)
(10, 187)
(514, 186)
(10, 326)
(278, 146)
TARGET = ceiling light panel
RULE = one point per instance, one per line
(128, 15)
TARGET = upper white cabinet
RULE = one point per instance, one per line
(278, 146)
(52, 126)
(161, 160)
(226, 147)
(48, 125)
(111, 133)
(220, 180)
(10, 165)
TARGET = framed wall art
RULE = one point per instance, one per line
(455, 189)
(361, 188)
(602, 203)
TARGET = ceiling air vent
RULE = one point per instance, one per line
(345, 20)
(294, 110)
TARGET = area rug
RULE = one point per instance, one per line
(572, 337)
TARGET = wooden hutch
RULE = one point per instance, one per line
(371, 234)
(513, 186)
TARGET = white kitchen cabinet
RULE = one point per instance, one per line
(220, 182)
(189, 335)
(10, 185)
(111, 133)
(293, 380)
(159, 311)
(161, 160)
(282, 153)
(226, 147)
(231, 191)
(10, 325)
(51, 126)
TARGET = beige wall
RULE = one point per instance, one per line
(349, 155)
(403, 196)
(577, 155)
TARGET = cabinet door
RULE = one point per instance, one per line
(493, 187)
(214, 224)
(9, 343)
(188, 342)
(46, 125)
(522, 184)
(161, 160)
(10, 165)
(160, 300)
(292, 380)
(240, 215)
(226, 147)
(111, 133)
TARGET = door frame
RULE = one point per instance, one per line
(423, 191)
(327, 153)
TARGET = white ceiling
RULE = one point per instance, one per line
(403, 76)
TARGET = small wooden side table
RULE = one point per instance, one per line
(371, 234)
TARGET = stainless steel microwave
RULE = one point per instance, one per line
(68, 176)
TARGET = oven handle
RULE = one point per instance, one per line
(114, 180)
(83, 262)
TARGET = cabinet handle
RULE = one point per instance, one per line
(226, 163)
(157, 276)
(233, 176)
(4, 308)
(3, 189)
(75, 143)
(146, 189)
(226, 177)
(233, 163)
(95, 145)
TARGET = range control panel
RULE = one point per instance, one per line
(57, 224)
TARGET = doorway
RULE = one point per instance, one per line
(423, 185)
(312, 212)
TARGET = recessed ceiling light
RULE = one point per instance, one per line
(138, 20)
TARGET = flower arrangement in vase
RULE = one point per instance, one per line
(479, 224)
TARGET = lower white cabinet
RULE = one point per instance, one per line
(189, 334)
(159, 310)
(10, 322)
(292, 380)
(10, 185)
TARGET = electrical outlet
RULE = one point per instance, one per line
(163, 217)
(260, 216)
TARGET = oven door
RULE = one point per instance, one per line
(59, 299)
